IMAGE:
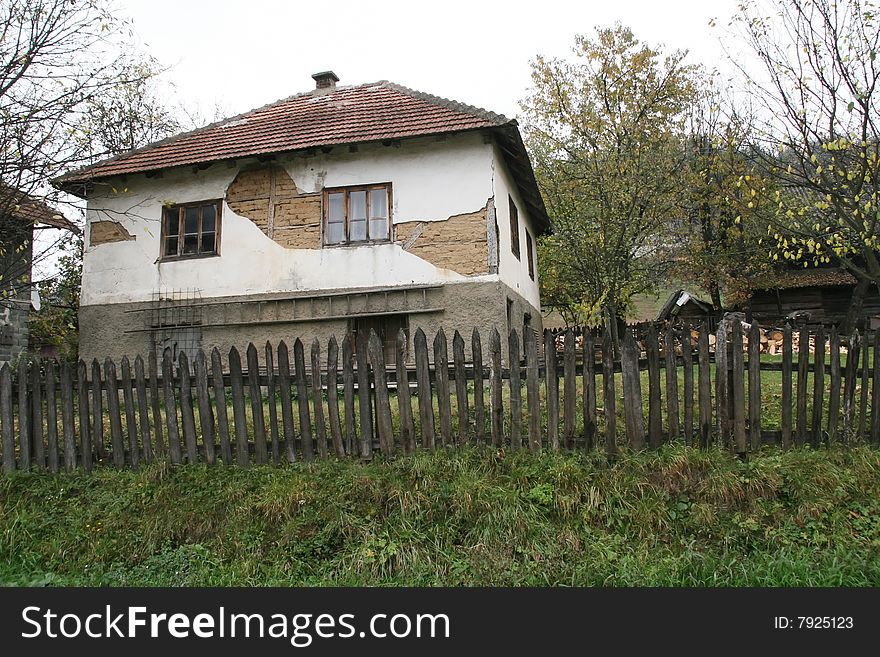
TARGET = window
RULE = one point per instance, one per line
(191, 230)
(357, 214)
(530, 254)
(514, 228)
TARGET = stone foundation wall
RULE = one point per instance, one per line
(118, 329)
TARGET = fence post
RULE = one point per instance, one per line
(655, 419)
(569, 404)
(67, 418)
(875, 391)
(206, 413)
(39, 453)
(333, 396)
(383, 404)
(8, 430)
(863, 397)
(803, 367)
(256, 394)
(786, 387)
(143, 407)
(671, 364)
(722, 385)
(302, 400)
(609, 395)
(24, 413)
(755, 387)
(834, 398)
(155, 403)
(849, 384)
(404, 398)
(705, 387)
(98, 411)
(632, 393)
(238, 413)
(533, 391)
(112, 384)
(130, 423)
(85, 435)
(187, 416)
(687, 361)
(365, 407)
(318, 400)
(52, 416)
(286, 403)
(348, 394)
(272, 394)
(589, 391)
(551, 388)
(818, 384)
(170, 407)
(737, 392)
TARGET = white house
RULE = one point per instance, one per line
(340, 209)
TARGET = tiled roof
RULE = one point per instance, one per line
(28, 209)
(344, 115)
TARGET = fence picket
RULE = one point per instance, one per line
(383, 404)
(171, 424)
(479, 404)
(85, 435)
(272, 398)
(737, 390)
(551, 390)
(533, 390)
(140, 384)
(155, 403)
(113, 410)
(39, 451)
(853, 353)
(496, 405)
(318, 401)
(302, 401)
(863, 396)
(206, 413)
(786, 386)
(818, 385)
(687, 361)
(348, 394)
(365, 407)
(569, 403)
(220, 403)
(404, 398)
(52, 415)
(67, 426)
(461, 392)
(834, 396)
(671, 366)
(589, 392)
(286, 401)
(655, 419)
(24, 416)
(423, 379)
(875, 391)
(255, 392)
(333, 397)
(8, 430)
(238, 409)
(441, 381)
(97, 412)
(515, 391)
(128, 401)
(803, 367)
(187, 414)
(632, 393)
(723, 378)
(755, 387)
(609, 396)
(704, 386)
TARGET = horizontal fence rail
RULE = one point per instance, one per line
(569, 390)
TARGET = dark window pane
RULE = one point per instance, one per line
(208, 243)
(172, 221)
(191, 220)
(358, 231)
(190, 244)
(171, 246)
(209, 216)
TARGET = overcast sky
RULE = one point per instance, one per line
(242, 54)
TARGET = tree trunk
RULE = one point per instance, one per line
(854, 312)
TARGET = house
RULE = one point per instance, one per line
(20, 216)
(681, 306)
(346, 208)
(818, 295)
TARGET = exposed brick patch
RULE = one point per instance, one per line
(270, 199)
(105, 232)
(459, 243)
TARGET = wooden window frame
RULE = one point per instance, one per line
(530, 254)
(347, 190)
(181, 207)
(514, 228)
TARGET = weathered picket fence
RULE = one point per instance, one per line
(352, 403)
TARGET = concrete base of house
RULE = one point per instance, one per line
(131, 329)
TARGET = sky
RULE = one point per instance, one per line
(237, 55)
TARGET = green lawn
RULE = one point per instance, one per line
(679, 517)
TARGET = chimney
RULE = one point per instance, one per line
(325, 80)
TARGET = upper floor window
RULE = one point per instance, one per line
(357, 214)
(530, 254)
(191, 229)
(514, 228)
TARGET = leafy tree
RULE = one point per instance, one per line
(605, 134)
(56, 324)
(820, 135)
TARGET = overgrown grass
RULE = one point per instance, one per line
(675, 517)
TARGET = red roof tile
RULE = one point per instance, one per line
(345, 115)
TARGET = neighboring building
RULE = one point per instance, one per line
(682, 307)
(20, 216)
(341, 209)
(819, 295)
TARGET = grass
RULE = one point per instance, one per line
(674, 517)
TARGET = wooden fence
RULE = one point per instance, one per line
(349, 402)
